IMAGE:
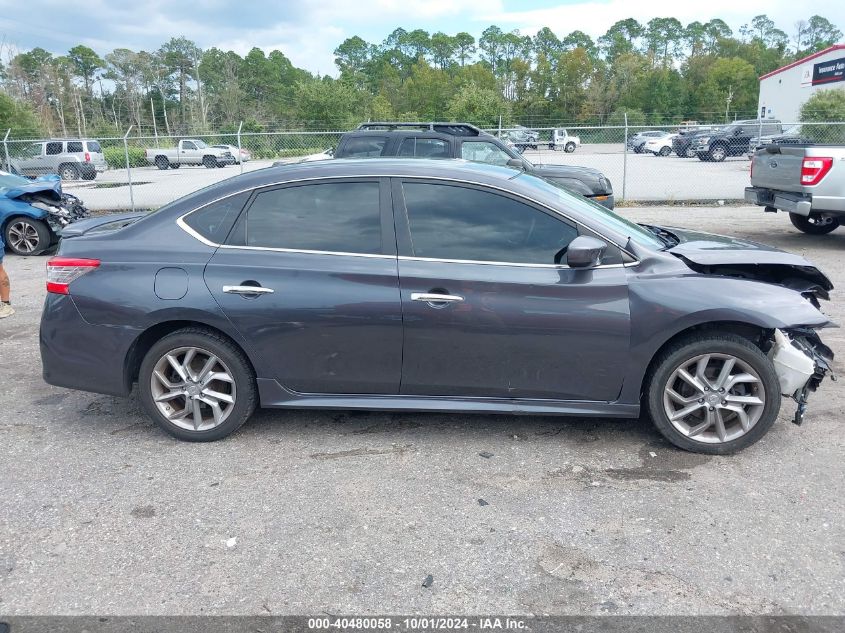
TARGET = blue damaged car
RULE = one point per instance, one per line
(34, 212)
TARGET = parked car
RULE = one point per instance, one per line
(462, 140)
(71, 159)
(33, 213)
(324, 155)
(429, 285)
(637, 141)
(561, 139)
(790, 136)
(806, 181)
(522, 138)
(660, 146)
(682, 141)
(732, 140)
(189, 151)
(238, 155)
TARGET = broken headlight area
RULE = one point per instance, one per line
(66, 210)
(801, 362)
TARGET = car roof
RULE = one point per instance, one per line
(418, 132)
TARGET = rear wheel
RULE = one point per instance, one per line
(162, 163)
(665, 151)
(197, 385)
(689, 153)
(209, 161)
(713, 393)
(27, 236)
(69, 171)
(815, 224)
(569, 148)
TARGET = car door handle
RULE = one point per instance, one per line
(248, 290)
(429, 297)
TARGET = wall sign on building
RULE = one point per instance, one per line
(829, 72)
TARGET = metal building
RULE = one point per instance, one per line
(785, 90)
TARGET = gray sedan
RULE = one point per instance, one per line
(429, 286)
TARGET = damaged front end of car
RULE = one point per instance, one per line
(801, 362)
(61, 211)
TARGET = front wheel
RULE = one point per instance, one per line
(569, 148)
(209, 161)
(665, 151)
(718, 154)
(27, 236)
(713, 393)
(815, 224)
(197, 385)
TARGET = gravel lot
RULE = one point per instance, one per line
(350, 512)
(649, 177)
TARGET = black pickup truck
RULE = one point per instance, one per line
(461, 140)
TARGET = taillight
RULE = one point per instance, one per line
(814, 169)
(61, 271)
(87, 157)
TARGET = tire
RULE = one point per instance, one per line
(698, 431)
(27, 236)
(162, 163)
(689, 153)
(813, 225)
(569, 148)
(638, 149)
(209, 161)
(68, 171)
(718, 154)
(230, 361)
(703, 157)
(665, 151)
(552, 146)
(89, 175)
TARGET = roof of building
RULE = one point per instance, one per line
(829, 49)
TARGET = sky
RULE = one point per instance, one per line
(308, 31)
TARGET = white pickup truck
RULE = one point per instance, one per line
(807, 181)
(190, 151)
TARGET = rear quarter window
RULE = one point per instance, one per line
(94, 146)
(215, 220)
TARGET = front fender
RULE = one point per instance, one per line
(663, 307)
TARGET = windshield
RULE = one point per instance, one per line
(10, 181)
(570, 200)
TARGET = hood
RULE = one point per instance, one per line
(50, 183)
(566, 171)
(736, 257)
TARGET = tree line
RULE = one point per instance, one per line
(658, 72)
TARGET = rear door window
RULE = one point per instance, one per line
(364, 146)
(340, 217)
(415, 147)
(54, 148)
(74, 147)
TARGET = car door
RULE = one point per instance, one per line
(488, 311)
(188, 153)
(309, 278)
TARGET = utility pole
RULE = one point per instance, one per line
(155, 127)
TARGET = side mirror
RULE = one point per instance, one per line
(516, 163)
(584, 252)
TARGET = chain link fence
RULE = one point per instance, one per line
(664, 164)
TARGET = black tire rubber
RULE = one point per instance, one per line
(638, 149)
(569, 148)
(665, 151)
(45, 236)
(703, 343)
(162, 162)
(89, 175)
(229, 353)
(718, 157)
(551, 146)
(209, 161)
(805, 225)
(703, 157)
(68, 171)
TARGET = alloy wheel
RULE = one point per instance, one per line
(23, 237)
(714, 398)
(193, 388)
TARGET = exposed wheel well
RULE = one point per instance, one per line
(754, 333)
(155, 333)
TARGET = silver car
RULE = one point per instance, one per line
(72, 159)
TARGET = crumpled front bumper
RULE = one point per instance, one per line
(801, 362)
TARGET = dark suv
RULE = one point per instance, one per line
(461, 140)
(733, 139)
